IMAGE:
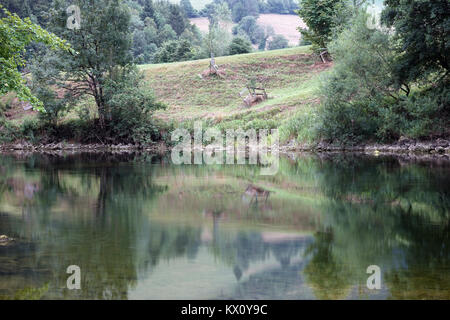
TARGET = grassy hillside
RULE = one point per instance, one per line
(290, 77)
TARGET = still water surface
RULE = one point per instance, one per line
(141, 228)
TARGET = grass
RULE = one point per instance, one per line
(290, 77)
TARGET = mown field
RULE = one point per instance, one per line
(290, 76)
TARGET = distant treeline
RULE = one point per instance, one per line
(243, 8)
(38, 9)
(161, 30)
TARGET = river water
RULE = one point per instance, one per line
(139, 227)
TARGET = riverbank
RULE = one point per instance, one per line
(439, 148)
(402, 146)
(78, 147)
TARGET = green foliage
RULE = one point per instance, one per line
(278, 6)
(278, 42)
(15, 35)
(218, 39)
(148, 10)
(355, 89)
(5, 103)
(154, 23)
(249, 28)
(28, 294)
(29, 129)
(239, 8)
(423, 113)
(173, 51)
(188, 9)
(243, 8)
(144, 44)
(363, 100)
(320, 19)
(53, 106)
(240, 46)
(8, 131)
(302, 126)
(165, 34)
(103, 45)
(268, 33)
(422, 35)
(43, 88)
(131, 107)
(36, 10)
(176, 19)
(101, 69)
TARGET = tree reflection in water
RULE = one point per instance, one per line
(122, 217)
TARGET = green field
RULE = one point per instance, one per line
(290, 76)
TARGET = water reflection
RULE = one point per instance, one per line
(140, 228)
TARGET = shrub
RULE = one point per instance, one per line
(29, 129)
(53, 106)
(173, 51)
(8, 131)
(249, 27)
(6, 103)
(301, 127)
(240, 46)
(278, 42)
(424, 113)
(131, 107)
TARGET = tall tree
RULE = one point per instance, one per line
(103, 45)
(15, 35)
(319, 17)
(188, 9)
(250, 28)
(243, 8)
(218, 37)
(176, 19)
(148, 11)
(422, 31)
